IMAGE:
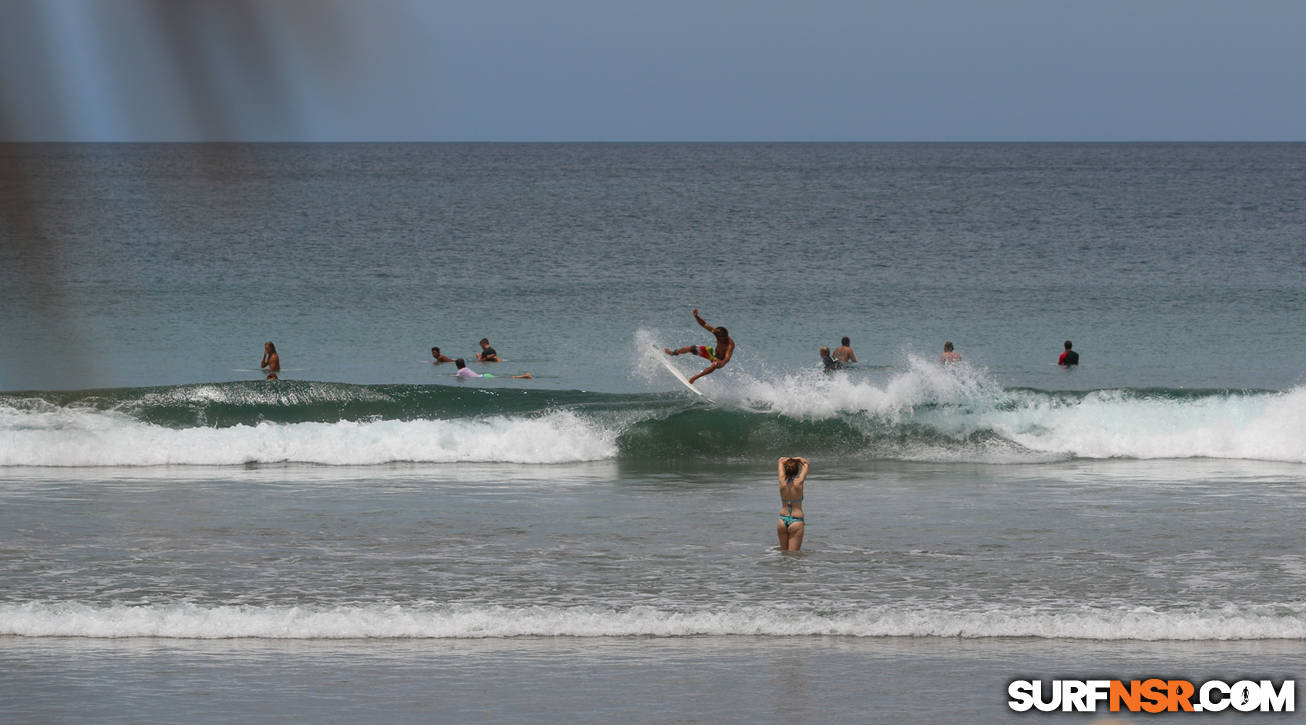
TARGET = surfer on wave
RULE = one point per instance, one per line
(719, 354)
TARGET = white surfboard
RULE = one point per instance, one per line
(666, 363)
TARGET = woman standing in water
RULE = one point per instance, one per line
(271, 360)
(792, 472)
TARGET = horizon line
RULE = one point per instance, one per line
(639, 142)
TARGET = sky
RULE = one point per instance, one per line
(672, 70)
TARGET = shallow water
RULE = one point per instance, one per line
(711, 679)
(1082, 550)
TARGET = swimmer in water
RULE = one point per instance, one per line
(718, 355)
(844, 353)
(487, 353)
(949, 355)
(271, 360)
(792, 472)
(830, 363)
(439, 356)
(1069, 357)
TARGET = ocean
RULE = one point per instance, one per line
(369, 538)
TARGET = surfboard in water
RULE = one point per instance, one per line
(666, 363)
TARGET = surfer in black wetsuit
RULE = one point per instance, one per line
(830, 363)
(487, 353)
(1069, 357)
(718, 354)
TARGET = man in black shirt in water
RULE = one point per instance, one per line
(487, 353)
(1069, 357)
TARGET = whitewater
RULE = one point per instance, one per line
(437, 621)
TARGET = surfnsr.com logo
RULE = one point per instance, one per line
(1151, 695)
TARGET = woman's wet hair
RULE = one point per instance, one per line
(792, 466)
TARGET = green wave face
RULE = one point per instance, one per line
(362, 424)
(223, 405)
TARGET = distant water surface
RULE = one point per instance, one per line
(1168, 265)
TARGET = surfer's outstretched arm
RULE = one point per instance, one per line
(703, 322)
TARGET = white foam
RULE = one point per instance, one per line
(432, 621)
(1111, 424)
(814, 395)
(974, 418)
(48, 435)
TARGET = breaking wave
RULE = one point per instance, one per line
(924, 413)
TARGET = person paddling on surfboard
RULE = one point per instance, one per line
(466, 372)
(718, 354)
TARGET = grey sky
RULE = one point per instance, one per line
(591, 70)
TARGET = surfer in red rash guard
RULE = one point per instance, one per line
(1069, 357)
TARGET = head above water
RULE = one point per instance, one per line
(435, 351)
(269, 346)
(1067, 344)
(947, 346)
(845, 341)
(459, 363)
(485, 342)
(825, 351)
(792, 466)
